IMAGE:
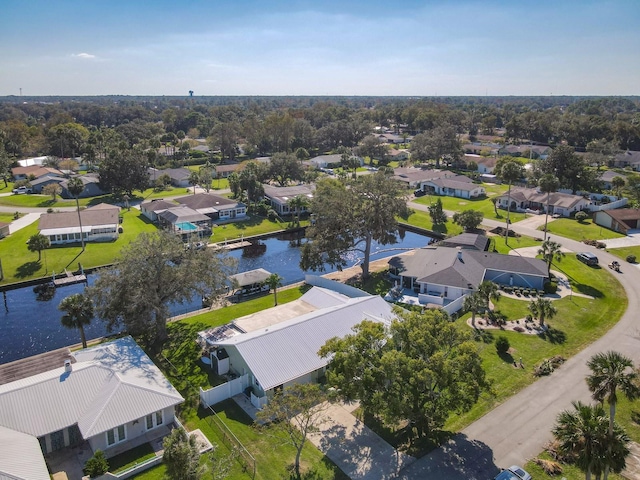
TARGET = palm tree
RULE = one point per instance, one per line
(583, 434)
(274, 281)
(76, 187)
(37, 243)
(78, 310)
(548, 184)
(611, 371)
(551, 251)
(298, 203)
(542, 308)
(510, 172)
(474, 303)
(617, 183)
(194, 179)
(488, 291)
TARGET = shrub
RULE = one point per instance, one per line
(631, 258)
(518, 329)
(550, 287)
(96, 465)
(581, 216)
(502, 345)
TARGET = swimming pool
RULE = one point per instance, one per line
(186, 226)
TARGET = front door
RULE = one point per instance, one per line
(57, 440)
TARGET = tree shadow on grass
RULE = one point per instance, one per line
(553, 335)
(506, 357)
(46, 203)
(28, 269)
(635, 417)
(587, 290)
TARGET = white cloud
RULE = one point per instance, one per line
(83, 55)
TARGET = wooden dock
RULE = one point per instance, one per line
(69, 279)
(233, 245)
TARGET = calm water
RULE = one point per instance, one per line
(29, 327)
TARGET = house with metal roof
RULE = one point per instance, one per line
(441, 275)
(279, 347)
(563, 204)
(105, 397)
(215, 207)
(99, 224)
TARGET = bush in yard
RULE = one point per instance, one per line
(550, 287)
(96, 465)
(631, 258)
(502, 345)
(581, 216)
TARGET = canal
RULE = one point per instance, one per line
(29, 327)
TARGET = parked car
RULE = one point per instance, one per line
(587, 258)
(21, 190)
(419, 193)
(514, 472)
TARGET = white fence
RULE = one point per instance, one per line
(223, 392)
(608, 206)
(454, 306)
(258, 402)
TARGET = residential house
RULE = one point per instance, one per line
(392, 138)
(279, 347)
(215, 207)
(152, 208)
(324, 161)
(184, 221)
(458, 186)
(396, 155)
(99, 224)
(279, 197)
(179, 176)
(619, 220)
(39, 183)
(91, 183)
(629, 158)
(484, 164)
(563, 204)
(482, 148)
(34, 171)
(28, 162)
(605, 179)
(223, 171)
(414, 177)
(441, 275)
(4, 229)
(102, 398)
(535, 151)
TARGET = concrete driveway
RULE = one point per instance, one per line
(354, 448)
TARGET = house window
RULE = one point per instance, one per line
(157, 417)
(116, 435)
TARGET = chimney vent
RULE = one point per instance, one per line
(67, 366)
(460, 254)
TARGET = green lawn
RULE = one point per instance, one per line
(421, 219)
(181, 364)
(6, 217)
(20, 264)
(482, 204)
(623, 252)
(131, 458)
(579, 322)
(587, 230)
(253, 225)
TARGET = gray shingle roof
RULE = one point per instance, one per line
(285, 194)
(182, 213)
(101, 214)
(207, 200)
(466, 240)
(566, 200)
(157, 205)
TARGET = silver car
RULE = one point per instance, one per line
(514, 472)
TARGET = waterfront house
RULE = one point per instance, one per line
(214, 206)
(152, 208)
(99, 224)
(184, 221)
(442, 275)
(110, 397)
(279, 197)
(266, 352)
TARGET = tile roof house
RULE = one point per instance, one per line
(106, 396)
(277, 354)
(279, 197)
(441, 275)
(214, 206)
(619, 220)
(563, 204)
(99, 224)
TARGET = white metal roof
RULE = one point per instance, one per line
(21, 457)
(109, 385)
(289, 350)
(60, 231)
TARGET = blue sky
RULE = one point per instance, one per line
(364, 47)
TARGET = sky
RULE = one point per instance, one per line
(360, 47)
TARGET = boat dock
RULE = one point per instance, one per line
(69, 279)
(233, 245)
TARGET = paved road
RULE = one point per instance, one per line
(517, 430)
